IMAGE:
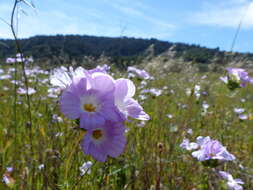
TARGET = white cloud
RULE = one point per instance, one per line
(141, 20)
(137, 19)
(142, 12)
(226, 14)
(44, 22)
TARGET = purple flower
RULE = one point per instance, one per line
(239, 110)
(239, 75)
(224, 79)
(190, 131)
(53, 92)
(85, 168)
(3, 77)
(202, 140)
(124, 92)
(186, 144)
(155, 91)
(233, 184)
(140, 73)
(104, 140)
(243, 116)
(90, 99)
(9, 169)
(101, 104)
(211, 150)
(41, 166)
(60, 78)
(23, 91)
(10, 60)
(103, 69)
(197, 91)
(205, 106)
(63, 77)
(19, 58)
(236, 78)
(131, 75)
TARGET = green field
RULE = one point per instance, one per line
(45, 153)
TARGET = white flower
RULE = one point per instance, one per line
(239, 110)
(190, 131)
(85, 168)
(243, 117)
(205, 106)
(169, 116)
(41, 166)
(23, 91)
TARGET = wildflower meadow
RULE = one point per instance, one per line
(94, 131)
(76, 128)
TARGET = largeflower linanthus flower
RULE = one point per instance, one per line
(186, 144)
(102, 104)
(236, 78)
(124, 93)
(91, 101)
(63, 77)
(85, 168)
(233, 184)
(211, 150)
(105, 140)
(140, 73)
(24, 91)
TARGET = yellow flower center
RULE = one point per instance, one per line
(89, 108)
(97, 134)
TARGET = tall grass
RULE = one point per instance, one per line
(152, 157)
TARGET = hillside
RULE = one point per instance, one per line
(151, 53)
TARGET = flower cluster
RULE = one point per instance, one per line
(140, 73)
(210, 152)
(240, 112)
(233, 184)
(236, 78)
(102, 105)
(196, 91)
(19, 58)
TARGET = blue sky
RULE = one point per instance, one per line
(210, 23)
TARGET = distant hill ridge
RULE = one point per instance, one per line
(123, 51)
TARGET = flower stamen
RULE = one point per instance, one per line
(97, 134)
(89, 108)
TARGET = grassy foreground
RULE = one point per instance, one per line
(45, 154)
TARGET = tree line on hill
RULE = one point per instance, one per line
(66, 48)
